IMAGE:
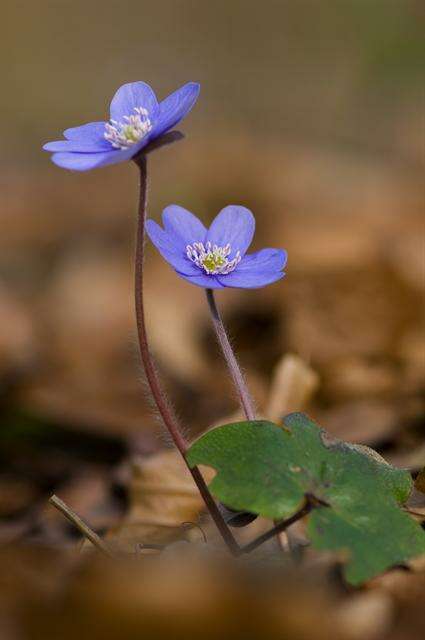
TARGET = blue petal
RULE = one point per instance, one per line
(86, 161)
(131, 95)
(183, 226)
(171, 252)
(204, 280)
(234, 225)
(90, 132)
(78, 146)
(264, 260)
(257, 270)
(175, 107)
(251, 280)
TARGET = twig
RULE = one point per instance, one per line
(80, 524)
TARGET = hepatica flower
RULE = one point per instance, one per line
(215, 258)
(136, 120)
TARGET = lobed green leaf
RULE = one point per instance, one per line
(270, 470)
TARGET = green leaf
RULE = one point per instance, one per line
(270, 470)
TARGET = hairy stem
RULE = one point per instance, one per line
(158, 393)
(248, 408)
(229, 356)
(164, 408)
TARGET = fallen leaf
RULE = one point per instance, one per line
(293, 384)
(163, 496)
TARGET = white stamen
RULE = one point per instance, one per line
(211, 258)
(123, 135)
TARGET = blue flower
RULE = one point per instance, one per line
(137, 119)
(215, 258)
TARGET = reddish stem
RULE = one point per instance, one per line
(158, 393)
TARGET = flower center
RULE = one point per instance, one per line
(123, 135)
(211, 258)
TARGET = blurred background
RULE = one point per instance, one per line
(311, 115)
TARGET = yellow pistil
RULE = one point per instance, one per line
(211, 262)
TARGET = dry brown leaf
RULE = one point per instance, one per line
(293, 385)
(420, 481)
(163, 495)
